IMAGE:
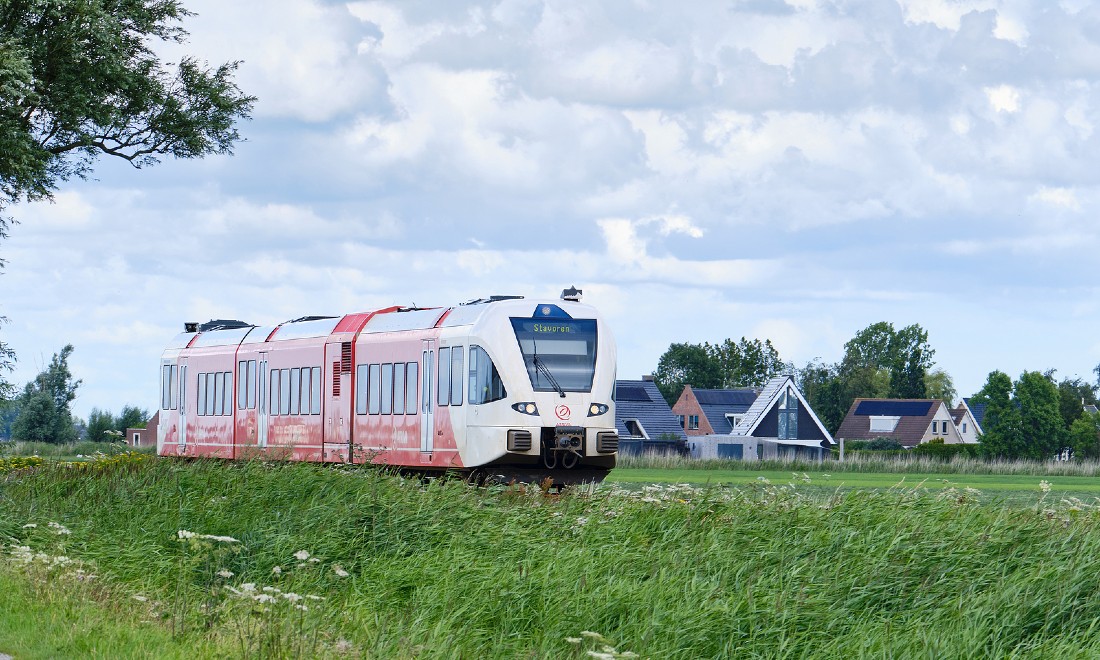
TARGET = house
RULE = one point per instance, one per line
(966, 423)
(712, 412)
(643, 419)
(143, 437)
(977, 410)
(775, 422)
(909, 421)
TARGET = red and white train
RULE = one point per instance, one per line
(503, 386)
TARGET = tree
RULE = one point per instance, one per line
(1041, 425)
(910, 358)
(826, 393)
(1001, 437)
(1073, 395)
(938, 385)
(684, 364)
(80, 79)
(131, 417)
(746, 363)
(99, 422)
(1084, 436)
(44, 414)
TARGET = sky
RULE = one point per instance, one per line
(787, 170)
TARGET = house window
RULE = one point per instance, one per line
(693, 422)
(682, 421)
(964, 427)
(883, 424)
(634, 427)
(734, 420)
(788, 415)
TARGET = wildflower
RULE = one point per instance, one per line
(58, 528)
(573, 640)
(263, 598)
(30, 526)
(339, 571)
(593, 635)
(276, 571)
(139, 597)
(224, 573)
(301, 607)
(292, 597)
(1044, 486)
(248, 587)
(301, 555)
(184, 534)
(581, 521)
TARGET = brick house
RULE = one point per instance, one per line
(145, 437)
(909, 421)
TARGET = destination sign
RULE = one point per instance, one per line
(552, 328)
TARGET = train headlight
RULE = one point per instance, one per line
(526, 407)
(596, 409)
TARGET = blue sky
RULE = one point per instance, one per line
(791, 171)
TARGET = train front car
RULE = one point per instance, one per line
(541, 380)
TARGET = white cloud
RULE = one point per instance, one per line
(1003, 98)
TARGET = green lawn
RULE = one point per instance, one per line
(1015, 489)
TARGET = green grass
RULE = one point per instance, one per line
(439, 569)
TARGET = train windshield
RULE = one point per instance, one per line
(560, 355)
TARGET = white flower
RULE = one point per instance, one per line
(225, 573)
(184, 534)
(30, 526)
(292, 597)
(58, 528)
(139, 597)
(301, 555)
(248, 587)
(339, 571)
(276, 571)
(1044, 486)
(263, 598)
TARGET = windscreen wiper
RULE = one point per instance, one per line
(549, 376)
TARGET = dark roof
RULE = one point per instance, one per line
(978, 410)
(893, 408)
(909, 429)
(641, 400)
(739, 397)
(716, 404)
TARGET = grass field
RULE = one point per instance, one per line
(144, 557)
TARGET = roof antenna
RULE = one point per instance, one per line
(572, 294)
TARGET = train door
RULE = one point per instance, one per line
(338, 400)
(182, 419)
(427, 397)
(261, 404)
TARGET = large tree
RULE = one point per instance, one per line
(80, 79)
(44, 414)
(1002, 437)
(745, 363)
(685, 364)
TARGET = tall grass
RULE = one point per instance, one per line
(869, 462)
(69, 450)
(440, 569)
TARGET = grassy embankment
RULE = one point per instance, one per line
(442, 570)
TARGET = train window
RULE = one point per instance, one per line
(210, 400)
(306, 388)
(242, 389)
(374, 394)
(182, 388)
(387, 389)
(251, 384)
(202, 394)
(361, 390)
(295, 390)
(456, 376)
(443, 382)
(273, 392)
(284, 391)
(485, 382)
(315, 400)
(166, 387)
(410, 391)
(399, 389)
(227, 376)
(219, 394)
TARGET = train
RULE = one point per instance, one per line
(502, 387)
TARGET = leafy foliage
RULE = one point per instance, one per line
(102, 425)
(1022, 419)
(44, 414)
(745, 363)
(80, 78)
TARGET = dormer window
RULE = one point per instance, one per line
(885, 424)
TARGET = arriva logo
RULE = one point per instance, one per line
(562, 412)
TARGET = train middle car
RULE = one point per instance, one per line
(507, 387)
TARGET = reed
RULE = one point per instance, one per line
(388, 566)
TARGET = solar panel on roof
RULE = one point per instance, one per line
(894, 408)
(632, 393)
(726, 397)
